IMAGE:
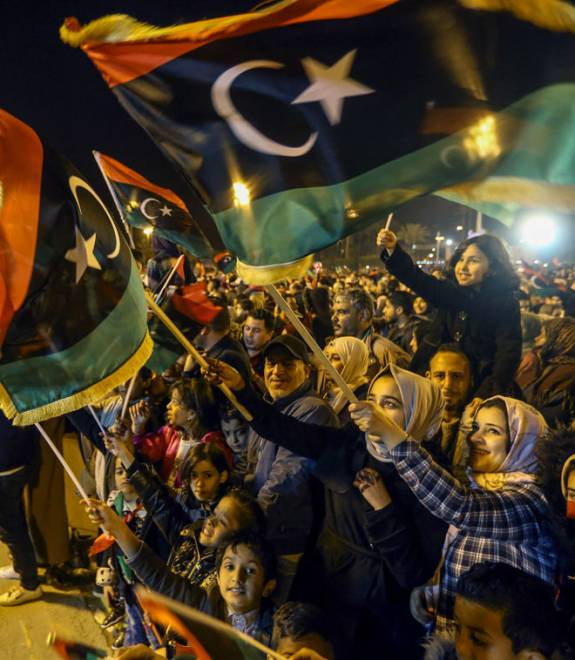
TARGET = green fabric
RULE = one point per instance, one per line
(533, 138)
(86, 363)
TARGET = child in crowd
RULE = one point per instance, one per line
(299, 626)
(501, 613)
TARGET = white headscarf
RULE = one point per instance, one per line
(355, 357)
(526, 425)
(422, 407)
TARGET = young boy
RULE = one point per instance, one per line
(299, 626)
(501, 613)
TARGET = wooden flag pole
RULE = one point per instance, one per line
(96, 418)
(388, 223)
(193, 351)
(157, 297)
(115, 199)
(311, 342)
(63, 461)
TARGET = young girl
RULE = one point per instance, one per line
(477, 308)
(192, 417)
(502, 517)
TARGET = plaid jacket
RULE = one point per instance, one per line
(506, 525)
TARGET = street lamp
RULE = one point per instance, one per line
(438, 240)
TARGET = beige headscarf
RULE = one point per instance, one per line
(355, 357)
(422, 407)
(526, 425)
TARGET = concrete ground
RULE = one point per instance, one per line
(70, 614)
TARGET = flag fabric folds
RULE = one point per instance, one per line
(192, 301)
(144, 204)
(72, 306)
(307, 120)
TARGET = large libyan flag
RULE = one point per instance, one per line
(72, 306)
(307, 120)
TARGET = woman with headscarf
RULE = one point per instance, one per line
(549, 383)
(377, 542)
(502, 516)
(350, 357)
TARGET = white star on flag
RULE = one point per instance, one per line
(330, 85)
(165, 210)
(83, 255)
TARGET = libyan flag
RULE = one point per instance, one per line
(308, 120)
(72, 306)
(144, 204)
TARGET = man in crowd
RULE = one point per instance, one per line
(352, 316)
(450, 370)
(257, 332)
(397, 314)
(282, 480)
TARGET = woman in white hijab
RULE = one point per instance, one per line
(350, 357)
(376, 542)
(502, 517)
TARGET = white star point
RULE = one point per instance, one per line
(330, 85)
(166, 210)
(83, 254)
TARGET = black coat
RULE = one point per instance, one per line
(484, 320)
(366, 560)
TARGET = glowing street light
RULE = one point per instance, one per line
(538, 229)
(148, 231)
(242, 195)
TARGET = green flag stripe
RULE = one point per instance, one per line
(91, 358)
(534, 138)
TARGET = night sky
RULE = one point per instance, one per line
(58, 91)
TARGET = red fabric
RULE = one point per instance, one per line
(161, 445)
(218, 439)
(194, 303)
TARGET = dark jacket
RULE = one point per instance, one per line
(18, 445)
(366, 559)
(485, 321)
(282, 479)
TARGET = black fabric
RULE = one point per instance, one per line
(485, 321)
(18, 445)
(365, 561)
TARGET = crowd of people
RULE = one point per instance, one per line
(433, 516)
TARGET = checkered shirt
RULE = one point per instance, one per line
(507, 525)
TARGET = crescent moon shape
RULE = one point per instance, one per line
(75, 182)
(143, 207)
(240, 127)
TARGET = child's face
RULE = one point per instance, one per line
(472, 267)
(177, 415)
(223, 522)
(479, 634)
(206, 480)
(122, 483)
(241, 580)
(287, 647)
(489, 440)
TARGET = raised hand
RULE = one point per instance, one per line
(386, 239)
(221, 373)
(139, 414)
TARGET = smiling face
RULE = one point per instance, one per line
(385, 393)
(472, 267)
(224, 521)
(283, 373)
(489, 440)
(241, 579)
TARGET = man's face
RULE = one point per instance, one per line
(452, 374)
(256, 336)
(479, 634)
(389, 312)
(347, 321)
(283, 373)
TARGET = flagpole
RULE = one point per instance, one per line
(98, 422)
(388, 223)
(193, 351)
(311, 342)
(63, 461)
(115, 199)
(156, 299)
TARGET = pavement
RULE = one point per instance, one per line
(24, 629)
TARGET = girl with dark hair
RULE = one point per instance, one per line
(477, 308)
(192, 416)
